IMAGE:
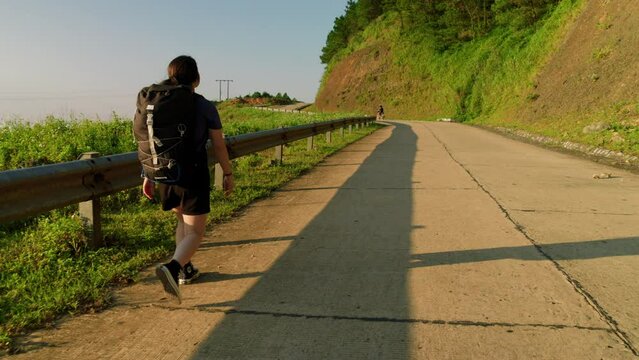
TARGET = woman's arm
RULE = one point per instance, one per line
(222, 156)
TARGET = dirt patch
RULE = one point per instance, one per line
(595, 67)
(369, 77)
(365, 68)
(250, 101)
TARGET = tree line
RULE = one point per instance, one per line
(448, 21)
(277, 99)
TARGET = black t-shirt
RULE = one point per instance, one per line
(206, 117)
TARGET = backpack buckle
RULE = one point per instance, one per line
(149, 115)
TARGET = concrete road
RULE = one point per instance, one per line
(423, 240)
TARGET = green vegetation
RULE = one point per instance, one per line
(46, 268)
(618, 127)
(56, 140)
(602, 53)
(471, 60)
(240, 120)
(448, 22)
(277, 99)
(471, 78)
(493, 73)
(476, 61)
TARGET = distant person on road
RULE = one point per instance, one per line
(380, 113)
(190, 199)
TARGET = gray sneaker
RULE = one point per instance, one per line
(188, 274)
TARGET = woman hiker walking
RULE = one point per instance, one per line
(190, 199)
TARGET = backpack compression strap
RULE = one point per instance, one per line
(149, 126)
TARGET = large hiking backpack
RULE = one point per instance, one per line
(163, 127)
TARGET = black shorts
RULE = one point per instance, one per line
(195, 201)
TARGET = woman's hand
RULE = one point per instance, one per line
(228, 184)
(222, 157)
(148, 188)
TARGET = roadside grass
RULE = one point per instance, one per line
(46, 269)
(619, 127)
(241, 120)
(56, 140)
(311, 108)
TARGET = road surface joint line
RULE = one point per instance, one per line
(614, 326)
(570, 212)
(235, 311)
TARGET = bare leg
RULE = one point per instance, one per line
(179, 229)
(193, 228)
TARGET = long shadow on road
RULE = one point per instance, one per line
(340, 287)
(583, 250)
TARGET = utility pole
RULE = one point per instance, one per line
(220, 82)
(227, 88)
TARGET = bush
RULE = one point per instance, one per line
(57, 140)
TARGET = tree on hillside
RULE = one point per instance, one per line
(449, 21)
(337, 39)
(265, 97)
(465, 19)
(367, 11)
(356, 17)
(282, 99)
(519, 14)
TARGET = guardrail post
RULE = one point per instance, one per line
(279, 154)
(350, 128)
(356, 126)
(309, 143)
(90, 213)
(341, 131)
(329, 136)
(218, 177)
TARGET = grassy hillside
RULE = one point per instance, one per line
(524, 77)
(404, 69)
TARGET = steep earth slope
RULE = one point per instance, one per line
(596, 66)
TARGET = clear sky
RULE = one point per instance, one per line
(89, 57)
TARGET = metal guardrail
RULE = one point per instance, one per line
(30, 191)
